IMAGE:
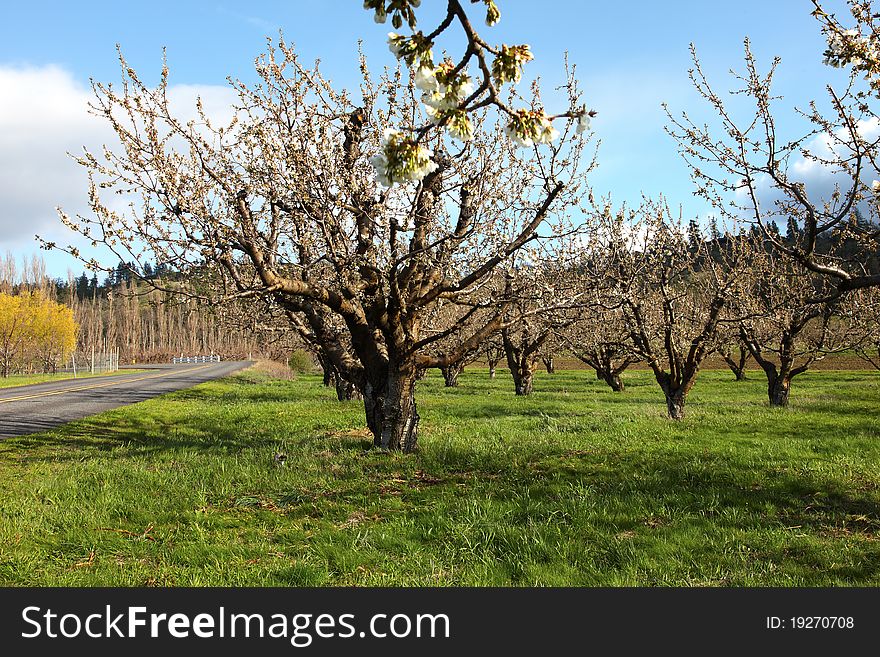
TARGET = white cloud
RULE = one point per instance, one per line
(819, 179)
(43, 117)
(261, 24)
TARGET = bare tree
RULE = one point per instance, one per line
(493, 350)
(861, 315)
(736, 355)
(452, 333)
(545, 294)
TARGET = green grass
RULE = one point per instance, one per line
(575, 485)
(15, 380)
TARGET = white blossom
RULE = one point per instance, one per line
(433, 100)
(461, 131)
(447, 96)
(380, 164)
(459, 126)
(528, 127)
(380, 14)
(395, 41)
(401, 160)
(519, 139)
(583, 122)
(426, 79)
(548, 133)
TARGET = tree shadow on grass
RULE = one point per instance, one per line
(149, 434)
(673, 494)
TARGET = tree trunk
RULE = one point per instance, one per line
(737, 367)
(521, 365)
(522, 379)
(613, 380)
(346, 390)
(549, 364)
(450, 374)
(492, 365)
(777, 390)
(391, 411)
(675, 400)
(329, 371)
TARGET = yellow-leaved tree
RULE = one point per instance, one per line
(36, 333)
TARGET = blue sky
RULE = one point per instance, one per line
(631, 57)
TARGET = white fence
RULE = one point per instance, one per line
(196, 359)
(93, 362)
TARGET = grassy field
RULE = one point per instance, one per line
(575, 485)
(16, 380)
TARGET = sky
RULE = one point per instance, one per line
(631, 57)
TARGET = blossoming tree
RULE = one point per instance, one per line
(600, 339)
(783, 333)
(674, 298)
(747, 170)
(355, 213)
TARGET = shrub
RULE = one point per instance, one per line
(301, 361)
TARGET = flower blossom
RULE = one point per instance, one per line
(401, 159)
(459, 125)
(583, 122)
(529, 127)
(444, 90)
(844, 48)
(507, 65)
(396, 43)
(411, 49)
(426, 79)
(492, 13)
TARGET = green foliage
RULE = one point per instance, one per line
(575, 485)
(301, 362)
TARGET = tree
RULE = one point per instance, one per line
(544, 290)
(36, 333)
(673, 298)
(862, 316)
(747, 171)
(373, 211)
(494, 352)
(12, 331)
(783, 332)
(54, 333)
(736, 363)
(600, 338)
(451, 334)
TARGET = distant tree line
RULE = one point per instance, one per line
(125, 313)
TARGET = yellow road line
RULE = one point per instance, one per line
(101, 385)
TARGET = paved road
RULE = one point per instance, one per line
(39, 407)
